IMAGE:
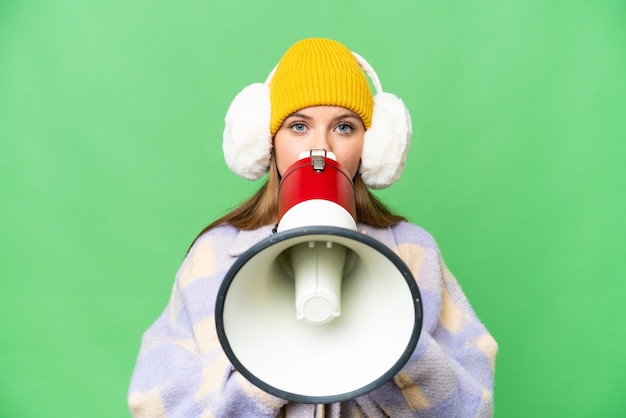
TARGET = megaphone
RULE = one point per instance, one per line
(318, 312)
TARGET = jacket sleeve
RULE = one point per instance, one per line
(451, 372)
(182, 370)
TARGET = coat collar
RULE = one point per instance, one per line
(246, 239)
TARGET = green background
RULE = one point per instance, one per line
(111, 116)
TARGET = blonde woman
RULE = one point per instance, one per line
(318, 97)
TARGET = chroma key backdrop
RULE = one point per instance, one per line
(111, 119)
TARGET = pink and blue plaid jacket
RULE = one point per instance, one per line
(182, 370)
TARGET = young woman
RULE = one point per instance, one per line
(318, 96)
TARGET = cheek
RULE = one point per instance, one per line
(350, 159)
(285, 155)
(281, 159)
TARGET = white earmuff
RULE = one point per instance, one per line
(247, 141)
(387, 141)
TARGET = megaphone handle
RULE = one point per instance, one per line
(318, 270)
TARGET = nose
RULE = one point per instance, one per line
(322, 141)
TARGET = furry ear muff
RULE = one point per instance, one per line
(387, 141)
(247, 143)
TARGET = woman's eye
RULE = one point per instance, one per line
(344, 128)
(298, 127)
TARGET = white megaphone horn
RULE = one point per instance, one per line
(318, 312)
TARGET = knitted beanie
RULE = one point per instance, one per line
(319, 72)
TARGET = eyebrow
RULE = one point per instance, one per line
(340, 116)
(298, 115)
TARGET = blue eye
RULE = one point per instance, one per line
(344, 128)
(298, 127)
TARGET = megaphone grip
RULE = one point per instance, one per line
(318, 270)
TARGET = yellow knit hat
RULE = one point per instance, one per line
(319, 72)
